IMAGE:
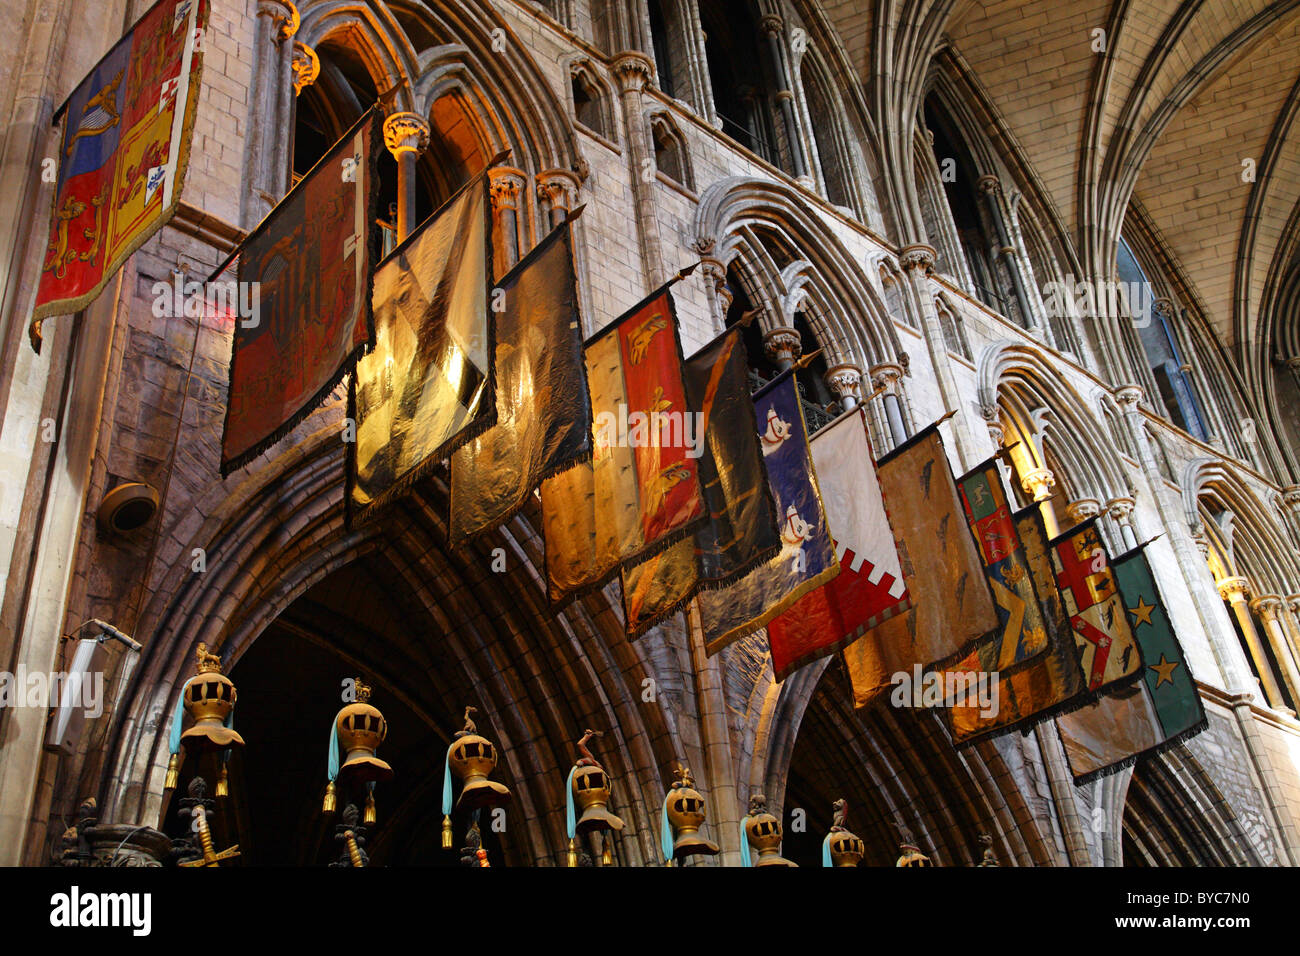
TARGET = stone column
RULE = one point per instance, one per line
(1121, 512)
(268, 156)
(507, 186)
(633, 70)
(886, 376)
(1290, 616)
(783, 346)
(1195, 570)
(406, 135)
(1234, 590)
(991, 187)
(917, 261)
(773, 25)
(845, 382)
(1269, 609)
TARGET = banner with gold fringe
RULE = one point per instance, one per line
(1051, 683)
(741, 531)
(806, 560)
(1159, 711)
(123, 155)
(311, 263)
(543, 418)
(951, 603)
(640, 492)
(869, 588)
(427, 386)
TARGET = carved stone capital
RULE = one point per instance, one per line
(1038, 483)
(772, 23)
(886, 375)
(507, 183)
(633, 71)
(996, 432)
(1267, 606)
(1128, 396)
(845, 381)
(782, 345)
(305, 65)
(1120, 509)
(1083, 509)
(1163, 306)
(406, 133)
(1291, 498)
(1233, 589)
(1293, 603)
(557, 189)
(1293, 363)
(990, 184)
(1201, 541)
(283, 16)
(703, 245)
(917, 256)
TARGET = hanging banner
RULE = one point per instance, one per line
(1159, 711)
(123, 155)
(1108, 652)
(1051, 683)
(426, 387)
(308, 269)
(869, 589)
(951, 602)
(543, 423)
(806, 560)
(640, 492)
(741, 531)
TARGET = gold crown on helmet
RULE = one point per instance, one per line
(209, 699)
(763, 831)
(361, 729)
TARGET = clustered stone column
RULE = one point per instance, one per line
(1121, 512)
(633, 71)
(845, 382)
(406, 135)
(715, 284)
(885, 377)
(507, 185)
(1234, 590)
(1269, 608)
(991, 188)
(772, 25)
(269, 144)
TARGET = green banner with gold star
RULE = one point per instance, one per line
(1159, 711)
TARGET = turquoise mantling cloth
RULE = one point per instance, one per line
(570, 818)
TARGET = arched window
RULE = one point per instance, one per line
(1160, 345)
(591, 107)
(671, 156)
(664, 41)
(740, 76)
(954, 332)
(833, 157)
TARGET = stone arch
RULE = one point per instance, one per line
(575, 669)
(1021, 380)
(860, 329)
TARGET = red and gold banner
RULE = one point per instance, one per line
(1108, 651)
(311, 264)
(641, 490)
(122, 158)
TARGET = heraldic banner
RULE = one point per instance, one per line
(543, 424)
(1154, 714)
(951, 602)
(1108, 651)
(870, 587)
(123, 155)
(1051, 683)
(741, 531)
(426, 387)
(310, 262)
(640, 492)
(806, 560)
